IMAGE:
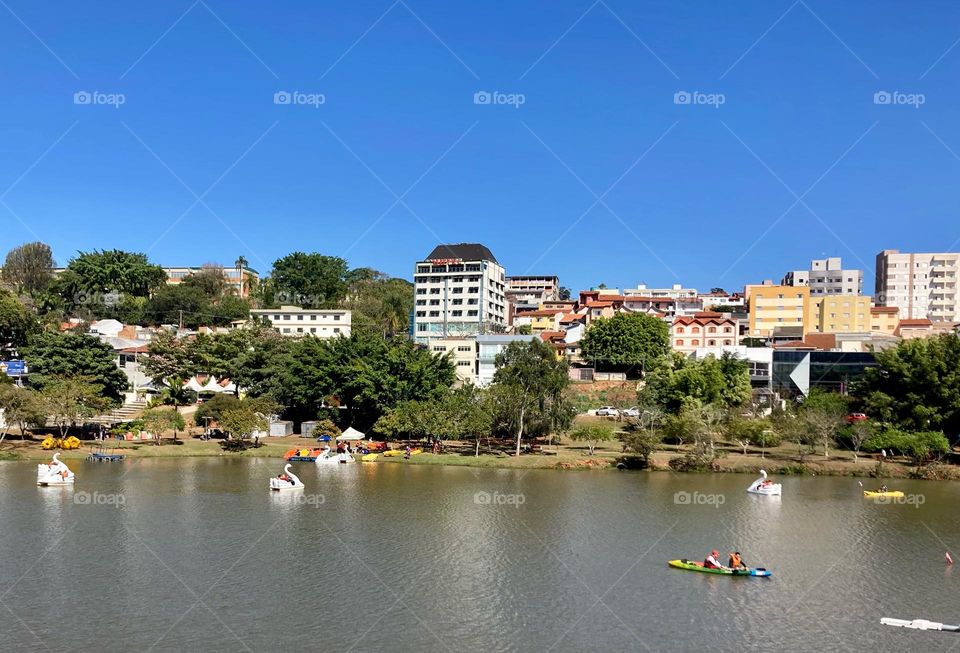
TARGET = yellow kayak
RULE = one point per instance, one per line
(877, 493)
(369, 457)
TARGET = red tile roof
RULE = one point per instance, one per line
(915, 323)
(884, 309)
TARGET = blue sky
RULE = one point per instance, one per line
(598, 176)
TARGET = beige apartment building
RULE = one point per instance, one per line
(463, 352)
(884, 319)
(840, 314)
(922, 286)
(778, 306)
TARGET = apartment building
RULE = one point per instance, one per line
(704, 329)
(463, 352)
(459, 290)
(922, 286)
(530, 291)
(778, 306)
(676, 291)
(298, 321)
(884, 319)
(840, 314)
(488, 346)
(827, 277)
(239, 279)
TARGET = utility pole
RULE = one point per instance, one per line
(181, 319)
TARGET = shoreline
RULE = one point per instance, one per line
(563, 458)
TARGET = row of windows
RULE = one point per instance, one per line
(712, 329)
(312, 330)
(452, 313)
(313, 318)
(710, 343)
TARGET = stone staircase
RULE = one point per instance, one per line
(125, 413)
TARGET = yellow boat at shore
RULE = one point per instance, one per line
(369, 457)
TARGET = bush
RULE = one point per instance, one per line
(325, 427)
(921, 446)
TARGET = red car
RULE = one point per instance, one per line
(855, 417)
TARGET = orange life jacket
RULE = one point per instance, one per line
(734, 560)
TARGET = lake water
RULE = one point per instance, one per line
(197, 555)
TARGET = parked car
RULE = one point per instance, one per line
(852, 418)
(630, 412)
(607, 411)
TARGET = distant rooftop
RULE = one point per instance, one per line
(465, 251)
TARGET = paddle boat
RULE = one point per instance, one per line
(303, 455)
(369, 457)
(690, 565)
(764, 486)
(56, 473)
(329, 457)
(393, 453)
(286, 481)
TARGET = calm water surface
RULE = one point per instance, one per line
(379, 557)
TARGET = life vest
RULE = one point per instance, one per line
(735, 560)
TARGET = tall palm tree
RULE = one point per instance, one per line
(240, 264)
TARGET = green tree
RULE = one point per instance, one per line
(916, 385)
(529, 384)
(167, 357)
(179, 304)
(29, 268)
(68, 401)
(626, 342)
(209, 280)
(724, 382)
(16, 322)
(96, 280)
(524, 330)
(643, 442)
(52, 355)
(21, 406)
(592, 434)
(247, 416)
(563, 293)
(311, 280)
(380, 304)
(364, 374)
(823, 413)
(158, 420)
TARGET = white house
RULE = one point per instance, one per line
(297, 321)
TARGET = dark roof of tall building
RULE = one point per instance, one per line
(465, 251)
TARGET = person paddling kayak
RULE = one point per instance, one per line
(736, 561)
(711, 562)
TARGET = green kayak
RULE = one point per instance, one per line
(698, 566)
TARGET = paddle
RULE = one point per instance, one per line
(919, 624)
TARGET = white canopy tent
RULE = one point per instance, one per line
(350, 435)
(212, 385)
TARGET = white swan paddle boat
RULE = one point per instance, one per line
(56, 473)
(764, 486)
(286, 481)
(329, 457)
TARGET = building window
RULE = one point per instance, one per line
(464, 348)
(434, 302)
(472, 313)
(313, 318)
(712, 330)
(457, 302)
(728, 342)
(299, 329)
(679, 329)
(286, 317)
(434, 313)
(300, 317)
(457, 291)
(457, 313)
(695, 343)
(711, 342)
(473, 290)
(313, 329)
(276, 317)
(464, 363)
(695, 330)
(421, 313)
(286, 330)
(680, 342)
(439, 348)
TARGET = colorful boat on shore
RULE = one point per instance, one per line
(303, 455)
(690, 565)
(393, 453)
(369, 457)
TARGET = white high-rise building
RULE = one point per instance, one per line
(459, 290)
(826, 276)
(922, 286)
